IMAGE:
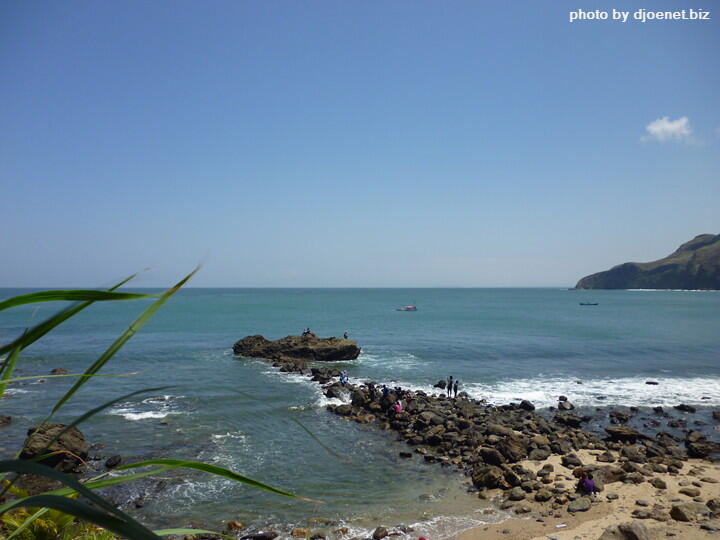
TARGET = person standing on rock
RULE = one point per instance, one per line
(455, 388)
(449, 385)
(345, 335)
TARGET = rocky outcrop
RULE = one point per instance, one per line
(70, 448)
(694, 265)
(297, 349)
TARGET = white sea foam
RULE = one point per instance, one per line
(446, 526)
(629, 391)
(398, 360)
(155, 407)
(239, 435)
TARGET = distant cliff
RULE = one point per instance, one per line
(694, 265)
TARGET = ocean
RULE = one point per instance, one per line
(503, 345)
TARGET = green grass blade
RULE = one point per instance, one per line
(7, 369)
(106, 482)
(28, 522)
(28, 467)
(122, 339)
(19, 467)
(88, 513)
(38, 331)
(213, 469)
(75, 295)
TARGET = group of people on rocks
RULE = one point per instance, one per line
(452, 388)
(306, 332)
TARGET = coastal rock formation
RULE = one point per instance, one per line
(694, 265)
(294, 349)
(71, 446)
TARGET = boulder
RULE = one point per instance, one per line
(489, 476)
(379, 533)
(626, 531)
(526, 405)
(71, 446)
(5, 420)
(702, 449)
(685, 408)
(297, 348)
(112, 462)
(513, 449)
(623, 433)
(579, 505)
(687, 511)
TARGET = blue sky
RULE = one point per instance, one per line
(317, 143)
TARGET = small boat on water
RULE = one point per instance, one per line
(406, 308)
(589, 304)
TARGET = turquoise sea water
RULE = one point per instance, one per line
(502, 344)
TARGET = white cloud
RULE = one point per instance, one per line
(663, 129)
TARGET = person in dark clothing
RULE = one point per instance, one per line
(586, 485)
(455, 388)
(449, 385)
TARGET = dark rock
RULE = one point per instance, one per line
(5, 420)
(685, 408)
(58, 371)
(658, 483)
(702, 449)
(293, 348)
(270, 535)
(687, 511)
(623, 433)
(627, 531)
(526, 405)
(539, 454)
(570, 420)
(491, 456)
(516, 494)
(512, 449)
(543, 495)
(654, 383)
(619, 417)
(571, 461)
(690, 491)
(380, 532)
(113, 462)
(440, 384)
(71, 445)
(490, 477)
(562, 398)
(565, 406)
(579, 505)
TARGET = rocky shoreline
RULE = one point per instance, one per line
(494, 445)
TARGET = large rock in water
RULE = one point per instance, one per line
(694, 265)
(71, 446)
(297, 348)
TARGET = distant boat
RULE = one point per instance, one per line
(406, 308)
(589, 304)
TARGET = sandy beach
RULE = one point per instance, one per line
(545, 522)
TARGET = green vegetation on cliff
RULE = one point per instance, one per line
(694, 265)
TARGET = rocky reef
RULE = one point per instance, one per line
(694, 265)
(296, 350)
